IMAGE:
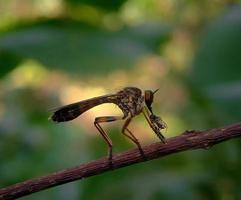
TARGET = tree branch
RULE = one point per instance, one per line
(186, 141)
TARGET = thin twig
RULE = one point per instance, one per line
(186, 141)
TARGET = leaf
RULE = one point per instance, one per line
(80, 50)
(217, 66)
(218, 59)
(8, 61)
(106, 5)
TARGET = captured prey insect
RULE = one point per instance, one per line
(130, 100)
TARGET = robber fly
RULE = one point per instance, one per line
(130, 100)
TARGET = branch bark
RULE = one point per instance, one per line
(188, 140)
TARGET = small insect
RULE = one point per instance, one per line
(130, 100)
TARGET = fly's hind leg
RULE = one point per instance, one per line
(97, 122)
(131, 136)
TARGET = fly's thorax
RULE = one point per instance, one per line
(130, 101)
(140, 105)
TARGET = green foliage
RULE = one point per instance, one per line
(219, 51)
(216, 69)
(8, 61)
(77, 49)
(106, 5)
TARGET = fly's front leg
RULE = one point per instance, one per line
(131, 135)
(97, 122)
(155, 123)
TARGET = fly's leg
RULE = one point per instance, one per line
(131, 136)
(97, 122)
(146, 115)
(154, 124)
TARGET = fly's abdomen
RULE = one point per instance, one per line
(67, 113)
(72, 111)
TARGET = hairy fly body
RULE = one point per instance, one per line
(130, 100)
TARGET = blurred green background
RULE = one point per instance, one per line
(55, 52)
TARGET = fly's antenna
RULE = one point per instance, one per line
(156, 90)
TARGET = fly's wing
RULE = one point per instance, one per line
(72, 111)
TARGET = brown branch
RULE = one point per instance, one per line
(187, 141)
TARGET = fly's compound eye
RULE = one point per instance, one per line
(149, 99)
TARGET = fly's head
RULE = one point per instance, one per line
(149, 96)
(157, 123)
